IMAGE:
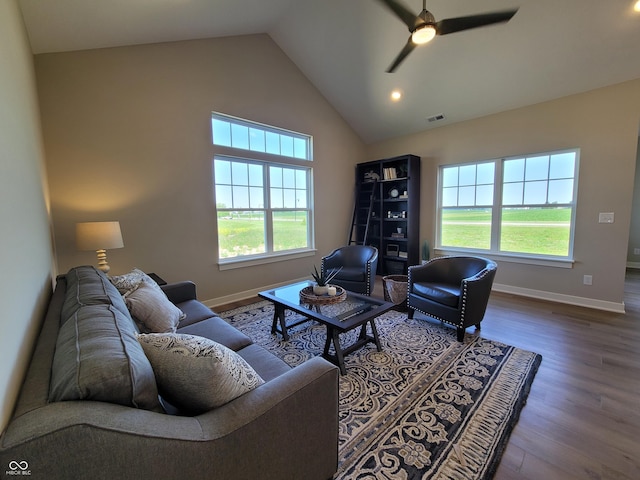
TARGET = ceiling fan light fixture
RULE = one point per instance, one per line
(423, 34)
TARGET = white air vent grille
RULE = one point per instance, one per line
(436, 118)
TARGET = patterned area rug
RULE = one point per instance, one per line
(426, 407)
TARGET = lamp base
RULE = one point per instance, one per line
(102, 261)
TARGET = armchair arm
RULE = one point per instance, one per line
(180, 292)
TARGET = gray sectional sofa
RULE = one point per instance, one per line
(89, 406)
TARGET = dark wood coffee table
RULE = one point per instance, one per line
(355, 311)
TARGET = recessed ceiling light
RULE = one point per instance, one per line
(396, 95)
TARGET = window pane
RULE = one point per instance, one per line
(222, 171)
(276, 198)
(256, 197)
(256, 140)
(286, 145)
(221, 132)
(224, 198)
(299, 148)
(467, 196)
(240, 197)
(240, 233)
(467, 175)
(486, 173)
(537, 168)
(484, 195)
(256, 177)
(240, 173)
(301, 179)
(239, 136)
(301, 199)
(535, 193)
(288, 178)
(512, 193)
(275, 177)
(273, 143)
(290, 230)
(513, 170)
(543, 231)
(289, 198)
(469, 228)
(560, 191)
(562, 165)
(450, 177)
(450, 197)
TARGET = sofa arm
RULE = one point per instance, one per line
(180, 291)
(286, 428)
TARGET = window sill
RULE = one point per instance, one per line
(510, 257)
(233, 263)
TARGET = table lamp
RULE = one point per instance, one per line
(99, 236)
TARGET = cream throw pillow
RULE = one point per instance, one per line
(197, 374)
(151, 308)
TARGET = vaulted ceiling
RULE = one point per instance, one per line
(549, 49)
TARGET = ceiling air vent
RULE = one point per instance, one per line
(436, 118)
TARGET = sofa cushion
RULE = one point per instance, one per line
(216, 329)
(152, 310)
(98, 357)
(87, 285)
(265, 363)
(438, 292)
(195, 373)
(195, 311)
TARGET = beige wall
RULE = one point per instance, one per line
(25, 242)
(604, 125)
(633, 259)
(127, 137)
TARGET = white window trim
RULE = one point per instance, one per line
(494, 253)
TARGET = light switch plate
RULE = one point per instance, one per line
(606, 217)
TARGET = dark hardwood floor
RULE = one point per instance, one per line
(582, 418)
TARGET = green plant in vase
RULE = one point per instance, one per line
(322, 280)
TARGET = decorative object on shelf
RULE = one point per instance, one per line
(371, 176)
(99, 236)
(322, 281)
(392, 250)
(307, 295)
(394, 193)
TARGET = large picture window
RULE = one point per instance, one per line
(263, 207)
(521, 205)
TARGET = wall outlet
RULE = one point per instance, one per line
(587, 280)
(636, 251)
(607, 217)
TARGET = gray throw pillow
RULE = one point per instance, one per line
(195, 373)
(130, 281)
(151, 308)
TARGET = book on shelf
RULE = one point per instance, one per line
(389, 173)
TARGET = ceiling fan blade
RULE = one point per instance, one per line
(403, 13)
(408, 48)
(452, 25)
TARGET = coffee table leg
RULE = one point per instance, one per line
(374, 330)
(278, 316)
(334, 337)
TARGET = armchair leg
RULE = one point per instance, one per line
(410, 313)
(460, 334)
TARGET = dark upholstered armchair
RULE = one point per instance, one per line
(359, 264)
(454, 290)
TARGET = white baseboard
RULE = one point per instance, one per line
(524, 292)
(236, 297)
(633, 264)
(561, 298)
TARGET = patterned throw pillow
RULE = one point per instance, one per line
(152, 310)
(128, 282)
(197, 374)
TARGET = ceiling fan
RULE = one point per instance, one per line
(424, 27)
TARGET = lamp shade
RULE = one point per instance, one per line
(98, 236)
